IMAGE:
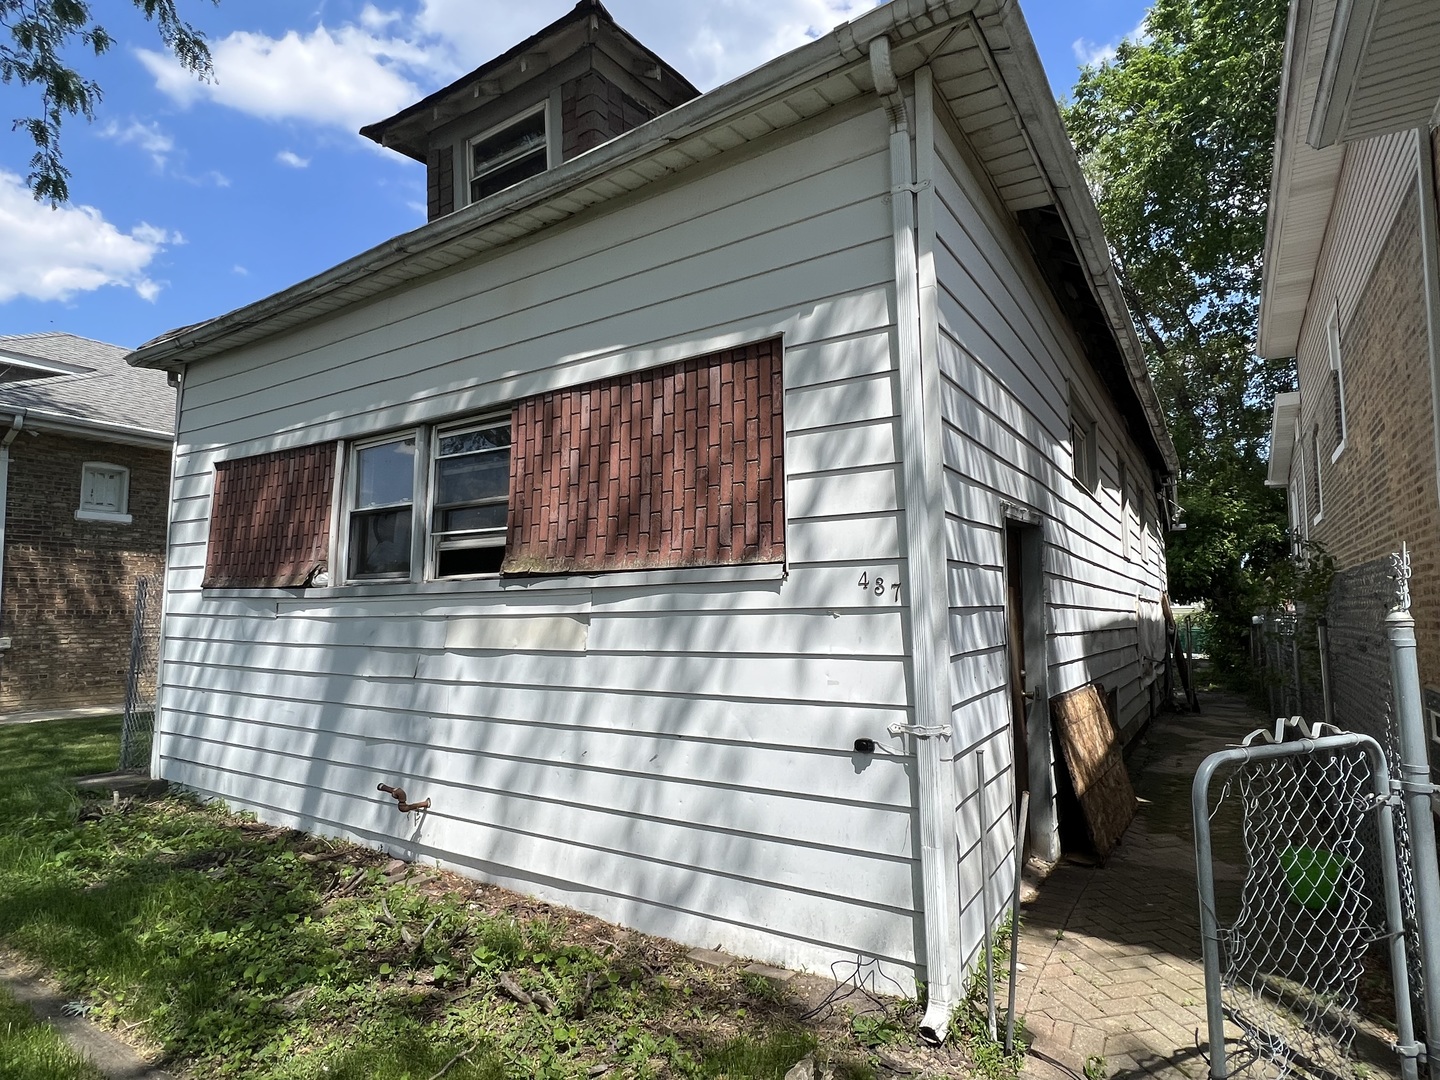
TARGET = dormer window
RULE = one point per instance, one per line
(504, 156)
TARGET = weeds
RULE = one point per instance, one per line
(970, 1023)
(236, 949)
(32, 1051)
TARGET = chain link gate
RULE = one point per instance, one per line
(142, 678)
(1285, 972)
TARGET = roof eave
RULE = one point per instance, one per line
(1282, 438)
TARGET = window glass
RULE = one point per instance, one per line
(380, 543)
(385, 474)
(510, 155)
(380, 517)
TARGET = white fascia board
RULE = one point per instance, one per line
(1282, 438)
(1303, 182)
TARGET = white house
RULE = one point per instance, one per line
(695, 522)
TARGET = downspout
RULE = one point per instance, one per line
(925, 560)
(1430, 260)
(17, 422)
(176, 381)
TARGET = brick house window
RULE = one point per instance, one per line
(1317, 491)
(104, 493)
(270, 519)
(1337, 383)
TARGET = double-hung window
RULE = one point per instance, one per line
(382, 508)
(504, 156)
(470, 498)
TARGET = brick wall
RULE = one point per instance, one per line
(593, 110)
(1382, 488)
(68, 585)
(678, 466)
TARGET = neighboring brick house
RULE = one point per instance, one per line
(1352, 291)
(85, 446)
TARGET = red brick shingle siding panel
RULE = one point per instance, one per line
(678, 466)
(270, 519)
(440, 182)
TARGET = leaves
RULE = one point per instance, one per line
(40, 34)
(1176, 136)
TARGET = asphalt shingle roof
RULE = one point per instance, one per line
(110, 391)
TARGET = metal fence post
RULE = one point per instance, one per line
(1415, 786)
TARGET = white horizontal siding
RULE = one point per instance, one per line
(681, 759)
(1010, 366)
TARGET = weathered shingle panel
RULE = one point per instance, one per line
(677, 466)
(270, 519)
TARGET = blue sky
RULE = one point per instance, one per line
(190, 200)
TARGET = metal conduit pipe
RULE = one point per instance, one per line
(17, 422)
(929, 647)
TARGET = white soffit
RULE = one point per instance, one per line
(1282, 438)
(1302, 185)
(1381, 72)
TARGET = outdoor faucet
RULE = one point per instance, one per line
(399, 793)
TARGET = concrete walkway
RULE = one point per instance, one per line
(37, 716)
(1111, 953)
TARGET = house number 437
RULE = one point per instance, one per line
(877, 586)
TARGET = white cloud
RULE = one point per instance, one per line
(294, 160)
(52, 254)
(1091, 54)
(239, 270)
(357, 73)
(148, 137)
(347, 77)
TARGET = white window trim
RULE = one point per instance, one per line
(468, 176)
(1332, 339)
(123, 517)
(340, 540)
(1319, 514)
(435, 431)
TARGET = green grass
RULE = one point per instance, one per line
(32, 1051)
(235, 949)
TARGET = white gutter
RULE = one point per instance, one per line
(1430, 262)
(40, 420)
(17, 421)
(924, 556)
(1284, 412)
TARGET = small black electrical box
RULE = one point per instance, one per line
(864, 746)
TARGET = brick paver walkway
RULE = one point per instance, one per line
(1112, 953)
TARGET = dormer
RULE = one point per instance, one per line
(577, 83)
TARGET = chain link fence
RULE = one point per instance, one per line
(142, 677)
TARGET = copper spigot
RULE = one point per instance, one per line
(399, 793)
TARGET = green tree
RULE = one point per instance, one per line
(37, 36)
(1176, 136)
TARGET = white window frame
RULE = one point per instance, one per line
(423, 540)
(348, 454)
(91, 513)
(1127, 541)
(470, 175)
(1337, 388)
(431, 539)
(1318, 515)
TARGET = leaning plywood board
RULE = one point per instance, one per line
(1097, 769)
